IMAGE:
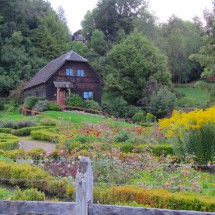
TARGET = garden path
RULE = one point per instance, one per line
(30, 144)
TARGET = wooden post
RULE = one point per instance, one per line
(84, 186)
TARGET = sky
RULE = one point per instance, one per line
(163, 9)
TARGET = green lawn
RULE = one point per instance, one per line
(79, 118)
(198, 95)
(64, 117)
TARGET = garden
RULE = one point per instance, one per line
(164, 164)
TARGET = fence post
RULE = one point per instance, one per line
(84, 186)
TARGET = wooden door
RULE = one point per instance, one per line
(61, 97)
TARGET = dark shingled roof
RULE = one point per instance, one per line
(47, 71)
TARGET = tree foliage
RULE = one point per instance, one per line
(112, 17)
(206, 55)
(98, 41)
(132, 63)
(179, 39)
(31, 34)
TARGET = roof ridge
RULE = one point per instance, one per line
(50, 68)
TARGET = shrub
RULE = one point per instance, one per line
(131, 111)
(5, 130)
(119, 108)
(185, 102)
(27, 131)
(162, 102)
(157, 150)
(9, 144)
(201, 143)
(41, 105)
(28, 195)
(74, 100)
(8, 141)
(25, 123)
(53, 106)
(127, 147)
(47, 121)
(40, 179)
(16, 154)
(4, 194)
(9, 124)
(123, 136)
(150, 118)
(47, 135)
(30, 102)
(164, 149)
(139, 117)
(153, 198)
(91, 104)
(36, 153)
(1, 105)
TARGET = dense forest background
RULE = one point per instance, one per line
(134, 53)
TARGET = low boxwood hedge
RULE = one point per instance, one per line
(27, 131)
(46, 135)
(32, 177)
(154, 198)
(8, 141)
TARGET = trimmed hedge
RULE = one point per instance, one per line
(5, 130)
(27, 131)
(153, 198)
(157, 150)
(32, 177)
(46, 135)
(8, 141)
(28, 195)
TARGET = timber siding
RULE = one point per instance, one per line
(45, 80)
(37, 91)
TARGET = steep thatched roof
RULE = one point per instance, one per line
(47, 71)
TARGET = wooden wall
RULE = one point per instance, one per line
(36, 91)
(89, 83)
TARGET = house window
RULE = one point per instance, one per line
(88, 95)
(69, 72)
(80, 72)
(37, 94)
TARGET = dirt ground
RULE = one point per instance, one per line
(29, 144)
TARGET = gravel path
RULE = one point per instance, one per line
(30, 144)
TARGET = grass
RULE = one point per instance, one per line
(71, 117)
(80, 117)
(199, 96)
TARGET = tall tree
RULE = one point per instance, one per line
(206, 55)
(178, 40)
(20, 54)
(51, 37)
(98, 41)
(112, 16)
(132, 63)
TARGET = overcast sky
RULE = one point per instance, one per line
(163, 9)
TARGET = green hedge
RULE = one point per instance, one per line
(8, 141)
(28, 195)
(157, 150)
(154, 198)
(27, 131)
(40, 179)
(46, 135)
(5, 130)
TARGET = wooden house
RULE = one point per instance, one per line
(78, 36)
(69, 73)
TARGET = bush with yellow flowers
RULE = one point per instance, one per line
(192, 133)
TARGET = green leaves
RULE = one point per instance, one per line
(132, 63)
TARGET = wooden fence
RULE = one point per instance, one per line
(31, 112)
(84, 202)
